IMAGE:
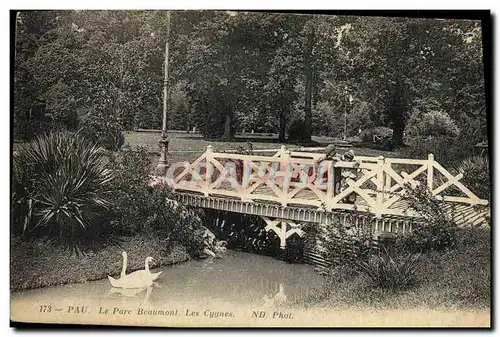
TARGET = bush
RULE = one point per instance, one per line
(447, 150)
(392, 273)
(379, 135)
(297, 130)
(106, 134)
(339, 244)
(432, 123)
(27, 130)
(141, 208)
(435, 232)
(61, 187)
(476, 171)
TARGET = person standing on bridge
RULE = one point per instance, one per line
(348, 173)
(329, 154)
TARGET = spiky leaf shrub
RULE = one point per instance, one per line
(61, 186)
(396, 272)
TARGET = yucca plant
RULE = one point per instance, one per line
(392, 273)
(61, 186)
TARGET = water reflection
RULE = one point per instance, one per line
(236, 278)
(279, 298)
(132, 293)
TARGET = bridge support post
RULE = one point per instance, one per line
(284, 229)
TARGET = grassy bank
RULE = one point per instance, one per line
(36, 264)
(457, 279)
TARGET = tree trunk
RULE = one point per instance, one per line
(228, 127)
(398, 110)
(308, 68)
(282, 127)
(398, 129)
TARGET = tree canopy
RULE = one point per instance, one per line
(231, 71)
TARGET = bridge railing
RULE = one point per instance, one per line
(369, 184)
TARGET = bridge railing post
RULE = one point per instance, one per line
(287, 175)
(380, 187)
(330, 187)
(209, 169)
(430, 171)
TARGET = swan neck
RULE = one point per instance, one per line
(146, 265)
(124, 267)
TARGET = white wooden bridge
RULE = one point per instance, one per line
(286, 191)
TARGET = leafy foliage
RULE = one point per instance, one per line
(61, 187)
(103, 131)
(476, 171)
(342, 245)
(448, 151)
(437, 231)
(297, 131)
(235, 70)
(139, 208)
(432, 123)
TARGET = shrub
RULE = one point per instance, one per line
(391, 272)
(476, 171)
(379, 132)
(60, 188)
(380, 135)
(436, 231)
(141, 208)
(340, 244)
(106, 134)
(447, 150)
(432, 123)
(297, 130)
(27, 130)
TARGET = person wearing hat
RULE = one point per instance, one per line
(329, 154)
(349, 173)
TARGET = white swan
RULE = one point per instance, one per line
(124, 268)
(123, 272)
(137, 279)
(156, 275)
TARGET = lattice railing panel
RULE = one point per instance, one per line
(371, 184)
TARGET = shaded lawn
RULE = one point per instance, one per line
(189, 146)
(457, 279)
(37, 264)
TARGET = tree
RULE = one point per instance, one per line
(402, 63)
(224, 70)
(41, 86)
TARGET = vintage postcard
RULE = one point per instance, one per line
(250, 169)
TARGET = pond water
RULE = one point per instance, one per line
(236, 278)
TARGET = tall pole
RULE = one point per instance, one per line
(345, 117)
(163, 163)
(345, 124)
